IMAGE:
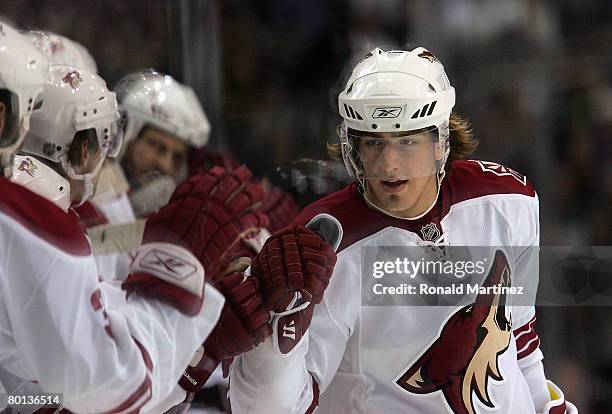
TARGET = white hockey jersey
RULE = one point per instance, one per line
(409, 359)
(61, 327)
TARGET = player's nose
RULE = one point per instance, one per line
(165, 164)
(391, 159)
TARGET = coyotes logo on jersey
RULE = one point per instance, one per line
(465, 355)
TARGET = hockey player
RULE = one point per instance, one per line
(75, 128)
(163, 121)
(166, 131)
(403, 145)
(103, 347)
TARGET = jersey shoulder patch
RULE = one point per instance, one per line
(475, 178)
(43, 218)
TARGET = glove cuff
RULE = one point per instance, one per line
(201, 367)
(557, 405)
(172, 264)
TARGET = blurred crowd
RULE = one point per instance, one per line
(534, 77)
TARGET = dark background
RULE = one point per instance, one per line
(533, 76)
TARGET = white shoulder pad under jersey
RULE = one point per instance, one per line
(382, 359)
(112, 238)
(57, 329)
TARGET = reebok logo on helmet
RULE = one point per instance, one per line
(387, 112)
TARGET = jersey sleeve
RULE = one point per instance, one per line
(522, 214)
(263, 381)
(124, 356)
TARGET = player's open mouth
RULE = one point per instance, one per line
(393, 186)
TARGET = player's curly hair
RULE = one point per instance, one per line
(463, 143)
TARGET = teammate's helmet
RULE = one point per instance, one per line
(150, 98)
(23, 72)
(73, 100)
(62, 50)
(395, 91)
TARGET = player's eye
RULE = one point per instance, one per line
(407, 141)
(373, 143)
(151, 143)
(161, 148)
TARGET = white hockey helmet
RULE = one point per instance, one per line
(395, 91)
(73, 100)
(149, 98)
(62, 50)
(23, 72)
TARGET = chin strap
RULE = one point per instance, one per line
(439, 177)
(88, 186)
(6, 165)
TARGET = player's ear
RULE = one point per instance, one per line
(85, 155)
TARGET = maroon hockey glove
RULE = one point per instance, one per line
(294, 269)
(293, 260)
(208, 214)
(243, 325)
(200, 226)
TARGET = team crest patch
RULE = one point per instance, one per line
(28, 166)
(430, 232)
(501, 171)
(56, 46)
(426, 54)
(73, 79)
(464, 360)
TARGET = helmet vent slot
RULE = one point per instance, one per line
(426, 110)
(351, 113)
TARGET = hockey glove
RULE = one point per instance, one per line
(558, 404)
(208, 214)
(243, 325)
(193, 235)
(293, 260)
(293, 270)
